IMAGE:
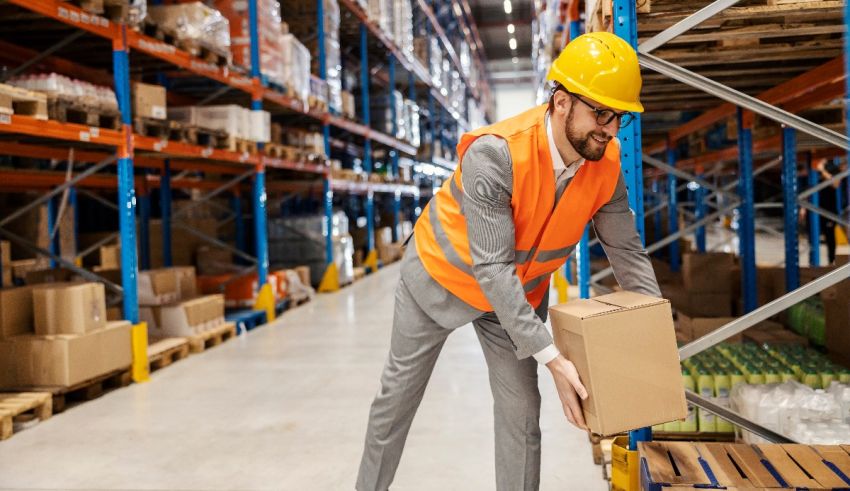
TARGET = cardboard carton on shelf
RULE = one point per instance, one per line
(54, 275)
(6, 262)
(19, 269)
(186, 318)
(618, 375)
(149, 101)
(708, 304)
(16, 316)
(709, 272)
(157, 286)
(68, 308)
(110, 256)
(64, 359)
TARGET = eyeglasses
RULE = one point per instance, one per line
(605, 116)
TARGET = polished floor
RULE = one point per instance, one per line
(284, 407)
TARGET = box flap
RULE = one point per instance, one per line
(584, 308)
(629, 300)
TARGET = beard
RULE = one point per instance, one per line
(585, 144)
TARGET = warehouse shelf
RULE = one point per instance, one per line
(76, 17)
(28, 125)
(447, 46)
(407, 61)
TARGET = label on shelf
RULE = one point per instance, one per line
(85, 136)
(206, 152)
(94, 131)
(5, 119)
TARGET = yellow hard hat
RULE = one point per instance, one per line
(603, 67)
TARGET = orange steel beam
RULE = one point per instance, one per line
(69, 14)
(805, 84)
(61, 131)
(730, 153)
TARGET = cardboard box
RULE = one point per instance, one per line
(620, 375)
(836, 308)
(186, 282)
(697, 327)
(214, 261)
(709, 305)
(304, 275)
(16, 312)
(6, 262)
(187, 318)
(149, 101)
(110, 256)
(68, 308)
(710, 272)
(20, 268)
(64, 360)
(157, 286)
(55, 275)
(676, 294)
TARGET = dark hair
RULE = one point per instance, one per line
(552, 96)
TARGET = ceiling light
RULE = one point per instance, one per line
(510, 28)
(508, 7)
(512, 43)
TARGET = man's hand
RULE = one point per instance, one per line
(569, 388)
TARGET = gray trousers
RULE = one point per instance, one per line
(415, 345)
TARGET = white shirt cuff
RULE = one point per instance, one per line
(547, 354)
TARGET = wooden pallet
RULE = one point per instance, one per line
(205, 137)
(240, 145)
(206, 53)
(82, 391)
(213, 337)
(22, 407)
(166, 351)
(90, 6)
(156, 128)
(687, 465)
(285, 152)
(67, 111)
(15, 100)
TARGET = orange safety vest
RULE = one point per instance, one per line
(544, 233)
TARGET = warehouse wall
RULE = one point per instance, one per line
(513, 99)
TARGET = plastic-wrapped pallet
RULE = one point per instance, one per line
(403, 25)
(436, 63)
(237, 121)
(296, 67)
(62, 87)
(412, 113)
(295, 241)
(195, 23)
(333, 58)
(806, 415)
(268, 31)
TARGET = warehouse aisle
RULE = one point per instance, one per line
(285, 407)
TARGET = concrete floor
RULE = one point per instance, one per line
(285, 407)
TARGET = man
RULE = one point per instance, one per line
(486, 244)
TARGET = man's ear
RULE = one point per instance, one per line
(563, 101)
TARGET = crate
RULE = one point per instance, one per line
(688, 465)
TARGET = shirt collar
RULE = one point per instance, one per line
(557, 161)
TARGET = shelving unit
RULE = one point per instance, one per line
(753, 85)
(63, 38)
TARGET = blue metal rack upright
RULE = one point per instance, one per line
(746, 213)
(625, 26)
(789, 204)
(813, 218)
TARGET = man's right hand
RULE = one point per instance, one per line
(570, 389)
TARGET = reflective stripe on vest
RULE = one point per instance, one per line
(545, 233)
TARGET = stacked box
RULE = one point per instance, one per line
(58, 335)
(301, 18)
(295, 67)
(268, 31)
